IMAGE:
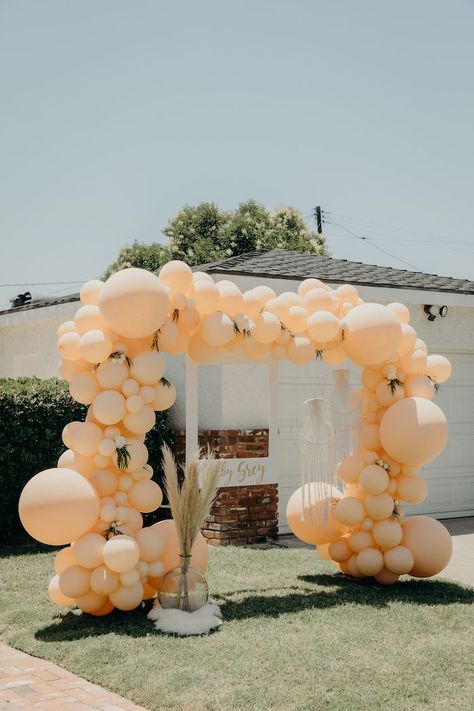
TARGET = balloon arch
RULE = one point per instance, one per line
(111, 359)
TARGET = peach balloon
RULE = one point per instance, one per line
(130, 387)
(75, 581)
(86, 438)
(373, 479)
(358, 540)
(399, 560)
(414, 362)
(372, 334)
(430, 543)
(127, 598)
(147, 368)
(68, 346)
(252, 304)
(170, 555)
(386, 395)
(106, 610)
(140, 422)
(308, 284)
(145, 495)
(388, 533)
(206, 297)
(379, 506)
(339, 550)
(297, 319)
(349, 468)
(347, 294)
(412, 489)
(323, 326)
(168, 336)
(134, 303)
(413, 431)
(105, 481)
(369, 437)
(57, 506)
(104, 581)
(121, 554)
(151, 543)
(188, 320)
(349, 511)
(112, 374)
(69, 368)
(88, 549)
(334, 356)
(278, 352)
(88, 318)
(439, 368)
(56, 595)
(66, 434)
(90, 291)
(386, 577)
(177, 276)
(400, 311)
(231, 300)
(319, 299)
(217, 329)
(66, 327)
(300, 350)
(91, 602)
(310, 524)
(199, 350)
(419, 386)
(109, 407)
(370, 561)
(138, 455)
(278, 309)
(95, 346)
(352, 567)
(408, 339)
(84, 387)
(64, 559)
(267, 328)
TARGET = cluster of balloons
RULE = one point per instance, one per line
(95, 497)
(111, 357)
(401, 429)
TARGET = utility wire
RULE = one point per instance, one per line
(375, 246)
(45, 283)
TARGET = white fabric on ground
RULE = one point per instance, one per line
(184, 623)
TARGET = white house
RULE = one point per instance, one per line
(236, 397)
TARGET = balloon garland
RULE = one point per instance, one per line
(111, 357)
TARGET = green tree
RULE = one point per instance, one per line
(206, 234)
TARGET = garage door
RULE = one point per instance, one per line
(450, 478)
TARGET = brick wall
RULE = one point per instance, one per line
(241, 514)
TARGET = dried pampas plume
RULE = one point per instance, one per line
(191, 501)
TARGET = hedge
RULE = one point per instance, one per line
(33, 413)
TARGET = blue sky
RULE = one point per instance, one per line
(116, 113)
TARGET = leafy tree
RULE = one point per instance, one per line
(206, 234)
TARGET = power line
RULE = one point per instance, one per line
(375, 246)
(45, 283)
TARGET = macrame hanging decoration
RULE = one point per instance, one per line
(316, 462)
(345, 415)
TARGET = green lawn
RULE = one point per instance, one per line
(296, 636)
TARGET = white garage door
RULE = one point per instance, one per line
(450, 478)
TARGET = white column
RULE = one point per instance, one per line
(192, 405)
(273, 419)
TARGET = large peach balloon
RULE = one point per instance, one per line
(430, 543)
(372, 334)
(58, 505)
(310, 525)
(413, 431)
(170, 554)
(134, 303)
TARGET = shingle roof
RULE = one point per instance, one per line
(282, 264)
(40, 303)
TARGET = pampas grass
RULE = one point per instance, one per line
(191, 500)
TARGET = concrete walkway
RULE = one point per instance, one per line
(30, 683)
(460, 568)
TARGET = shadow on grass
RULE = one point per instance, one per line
(26, 548)
(271, 603)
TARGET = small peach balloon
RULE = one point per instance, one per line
(379, 506)
(95, 346)
(145, 495)
(386, 577)
(412, 489)
(75, 581)
(350, 511)
(372, 334)
(349, 468)
(339, 550)
(358, 540)
(84, 387)
(56, 595)
(121, 554)
(373, 479)
(370, 561)
(109, 407)
(439, 368)
(323, 326)
(127, 598)
(91, 602)
(88, 318)
(399, 560)
(177, 276)
(88, 549)
(112, 374)
(387, 534)
(68, 346)
(90, 291)
(64, 559)
(104, 581)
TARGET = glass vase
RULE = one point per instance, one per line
(183, 588)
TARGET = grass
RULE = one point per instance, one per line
(297, 636)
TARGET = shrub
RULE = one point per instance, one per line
(33, 413)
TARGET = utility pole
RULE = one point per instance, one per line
(319, 219)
